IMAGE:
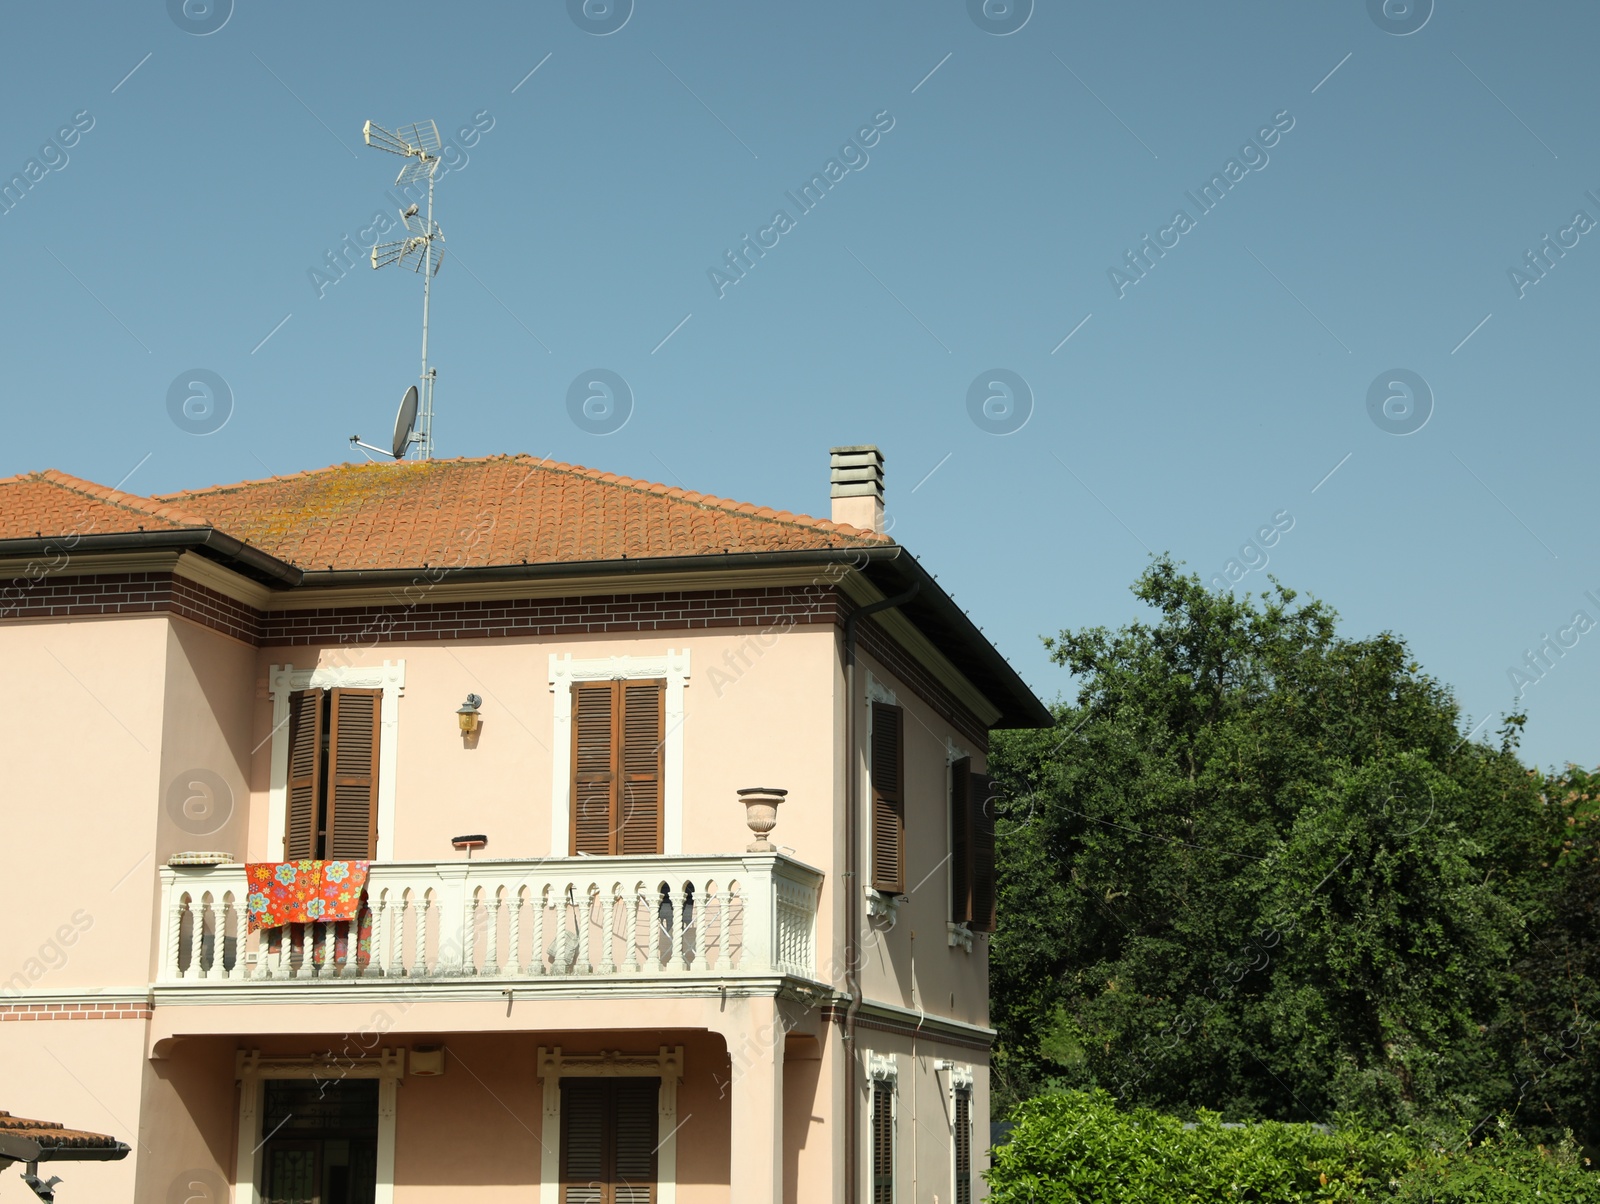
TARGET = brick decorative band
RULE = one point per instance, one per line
(770, 608)
(116, 1009)
(592, 615)
(107, 594)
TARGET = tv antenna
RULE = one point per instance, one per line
(419, 144)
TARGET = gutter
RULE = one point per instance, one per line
(206, 540)
(852, 887)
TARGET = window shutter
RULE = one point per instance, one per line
(305, 775)
(634, 1170)
(961, 841)
(888, 800)
(352, 825)
(882, 1143)
(608, 1140)
(639, 817)
(583, 1141)
(983, 800)
(963, 1147)
(593, 774)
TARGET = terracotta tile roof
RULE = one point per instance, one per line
(499, 510)
(54, 503)
(52, 1136)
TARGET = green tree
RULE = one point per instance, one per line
(1257, 868)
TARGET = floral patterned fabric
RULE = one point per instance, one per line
(304, 892)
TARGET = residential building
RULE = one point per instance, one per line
(641, 840)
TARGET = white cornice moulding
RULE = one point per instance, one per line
(284, 680)
(213, 576)
(672, 665)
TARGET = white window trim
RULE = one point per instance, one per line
(555, 1066)
(957, 936)
(882, 1068)
(674, 666)
(284, 680)
(251, 1069)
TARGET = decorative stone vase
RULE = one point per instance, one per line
(761, 813)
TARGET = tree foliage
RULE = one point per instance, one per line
(1259, 867)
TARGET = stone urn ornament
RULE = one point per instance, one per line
(761, 813)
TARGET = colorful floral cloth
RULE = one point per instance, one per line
(304, 892)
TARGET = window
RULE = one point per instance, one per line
(321, 1141)
(963, 1145)
(332, 809)
(888, 799)
(882, 1142)
(608, 1140)
(972, 873)
(617, 766)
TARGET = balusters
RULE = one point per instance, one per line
(661, 923)
(514, 945)
(419, 963)
(608, 916)
(491, 951)
(377, 910)
(469, 933)
(394, 931)
(541, 903)
(229, 922)
(632, 906)
(175, 935)
(682, 920)
(585, 920)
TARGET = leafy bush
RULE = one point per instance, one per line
(1078, 1147)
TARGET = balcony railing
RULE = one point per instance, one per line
(641, 917)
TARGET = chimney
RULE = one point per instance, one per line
(856, 486)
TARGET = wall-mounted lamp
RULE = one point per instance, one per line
(467, 714)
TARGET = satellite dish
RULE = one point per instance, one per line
(404, 421)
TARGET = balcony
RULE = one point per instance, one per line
(643, 919)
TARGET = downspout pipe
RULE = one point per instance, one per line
(852, 876)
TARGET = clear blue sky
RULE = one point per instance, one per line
(1214, 394)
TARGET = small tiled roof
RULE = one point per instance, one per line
(52, 1136)
(498, 510)
(52, 503)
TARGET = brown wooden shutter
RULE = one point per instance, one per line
(583, 1141)
(882, 1143)
(305, 775)
(963, 1150)
(608, 1140)
(961, 841)
(983, 796)
(594, 778)
(640, 759)
(352, 825)
(633, 1171)
(888, 799)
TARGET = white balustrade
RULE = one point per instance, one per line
(743, 915)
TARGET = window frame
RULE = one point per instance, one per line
(673, 665)
(883, 1083)
(286, 680)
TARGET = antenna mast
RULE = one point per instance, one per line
(419, 142)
